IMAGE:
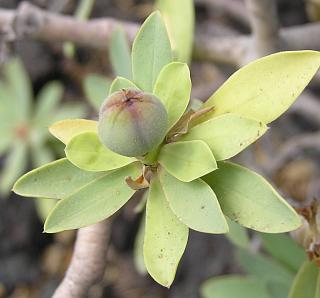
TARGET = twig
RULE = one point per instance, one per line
(264, 23)
(88, 262)
(28, 21)
(234, 8)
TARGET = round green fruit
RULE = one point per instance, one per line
(132, 123)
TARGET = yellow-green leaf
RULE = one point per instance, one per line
(194, 203)
(250, 200)
(165, 237)
(87, 152)
(151, 51)
(226, 135)
(264, 89)
(54, 180)
(187, 160)
(178, 16)
(173, 88)
(94, 202)
(65, 130)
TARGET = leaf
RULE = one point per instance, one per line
(307, 282)
(187, 160)
(5, 142)
(96, 89)
(264, 268)
(87, 152)
(250, 200)
(237, 234)
(194, 203)
(69, 111)
(9, 108)
(15, 164)
(234, 286)
(94, 202)
(44, 206)
(173, 88)
(47, 101)
(226, 135)
(120, 54)
(65, 130)
(264, 89)
(151, 51)
(41, 155)
(18, 79)
(138, 249)
(284, 249)
(179, 18)
(121, 83)
(165, 237)
(55, 180)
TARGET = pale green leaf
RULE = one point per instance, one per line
(65, 130)
(94, 202)
(179, 18)
(5, 142)
(44, 207)
(263, 267)
(121, 83)
(306, 284)
(250, 200)
(265, 88)
(9, 108)
(234, 287)
(87, 152)
(15, 164)
(173, 88)
(151, 51)
(194, 203)
(20, 84)
(120, 54)
(284, 249)
(226, 135)
(47, 101)
(187, 160)
(55, 180)
(138, 248)
(237, 234)
(96, 89)
(41, 155)
(165, 237)
(69, 111)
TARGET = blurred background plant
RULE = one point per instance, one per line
(25, 140)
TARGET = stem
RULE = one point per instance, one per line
(88, 262)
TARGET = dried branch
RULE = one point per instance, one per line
(234, 8)
(28, 21)
(88, 262)
(264, 23)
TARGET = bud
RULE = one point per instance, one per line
(132, 123)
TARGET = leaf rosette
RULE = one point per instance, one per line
(190, 185)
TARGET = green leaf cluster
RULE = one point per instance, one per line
(24, 122)
(284, 272)
(191, 186)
